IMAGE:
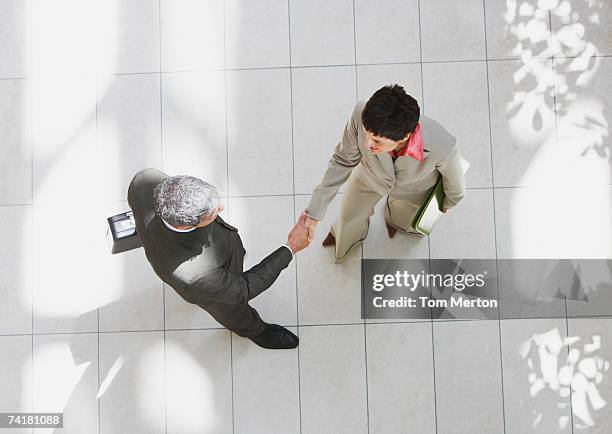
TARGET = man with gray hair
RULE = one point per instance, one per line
(192, 249)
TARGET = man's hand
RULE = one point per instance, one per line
(298, 237)
(311, 225)
(444, 210)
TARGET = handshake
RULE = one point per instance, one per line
(302, 233)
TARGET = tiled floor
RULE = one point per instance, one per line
(253, 96)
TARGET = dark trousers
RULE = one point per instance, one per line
(242, 319)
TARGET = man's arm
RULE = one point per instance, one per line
(453, 178)
(222, 286)
(345, 157)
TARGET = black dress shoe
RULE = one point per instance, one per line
(275, 337)
(329, 240)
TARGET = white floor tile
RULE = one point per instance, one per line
(264, 224)
(528, 147)
(64, 141)
(66, 380)
(129, 128)
(517, 29)
(71, 267)
(591, 408)
(193, 126)
(548, 222)
(137, 302)
(522, 120)
(583, 96)
(124, 286)
(466, 41)
(580, 26)
(16, 376)
(128, 35)
(65, 38)
(592, 297)
(132, 382)
(446, 100)
(466, 230)
(370, 78)
(312, 24)
(199, 381)
(468, 377)
(16, 139)
(192, 35)
(400, 368)
(15, 49)
(16, 255)
(266, 389)
(257, 33)
(334, 295)
(399, 42)
(323, 101)
(332, 380)
(530, 354)
(259, 132)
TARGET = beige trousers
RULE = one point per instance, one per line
(351, 227)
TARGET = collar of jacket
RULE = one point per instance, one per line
(172, 228)
(190, 239)
(387, 163)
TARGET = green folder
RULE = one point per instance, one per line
(428, 214)
(431, 210)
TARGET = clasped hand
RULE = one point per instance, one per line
(298, 238)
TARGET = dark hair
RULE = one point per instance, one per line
(391, 113)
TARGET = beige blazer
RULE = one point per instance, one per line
(406, 176)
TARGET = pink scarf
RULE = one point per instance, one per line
(414, 147)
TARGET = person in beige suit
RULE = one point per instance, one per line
(387, 149)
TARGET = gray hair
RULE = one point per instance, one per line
(184, 200)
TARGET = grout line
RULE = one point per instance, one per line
(165, 382)
(225, 80)
(98, 295)
(161, 156)
(30, 110)
(361, 247)
(593, 185)
(98, 369)
(433, 371)
(30, 121)
(161, 99)
(369, 322)
(25, 77)
(182, 71)
(15, 204)
(227, 187)
(502, 187)
(433, 342)
(554, 89)
(501, 357)
(297, 300)
(232, 376)
(571, 410)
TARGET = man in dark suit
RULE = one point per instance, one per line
(198, 254)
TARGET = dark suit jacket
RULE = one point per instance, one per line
(204, 265)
